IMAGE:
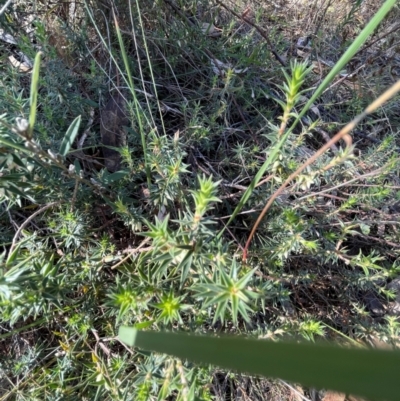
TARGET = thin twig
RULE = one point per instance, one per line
(27, 221)
(242, 188)
(243, 118)
(180, 12)
(99, 342)
(74, 195)
(12, 220)
(324, 135)
(347, 76)
(361, 177)
(239, 214)
(259, 30)
(380, 240)
(132, 251)
(236, 240)
(107, 223)
(367, 45)
(295, 391)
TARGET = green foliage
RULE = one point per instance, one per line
(215, 126)
(228, 292)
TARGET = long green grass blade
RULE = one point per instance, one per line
(136, 101)
(370, 373)
(34, 94)
(346, 57)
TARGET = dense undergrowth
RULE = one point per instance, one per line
(209, 90)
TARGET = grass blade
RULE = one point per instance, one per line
(369, 373)
(136, 101)
(34, 94)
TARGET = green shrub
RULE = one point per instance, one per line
(216, 126)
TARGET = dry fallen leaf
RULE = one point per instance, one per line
(6, 37)
(21, 66)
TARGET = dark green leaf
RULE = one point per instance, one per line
(70, 136)
(370, 373)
